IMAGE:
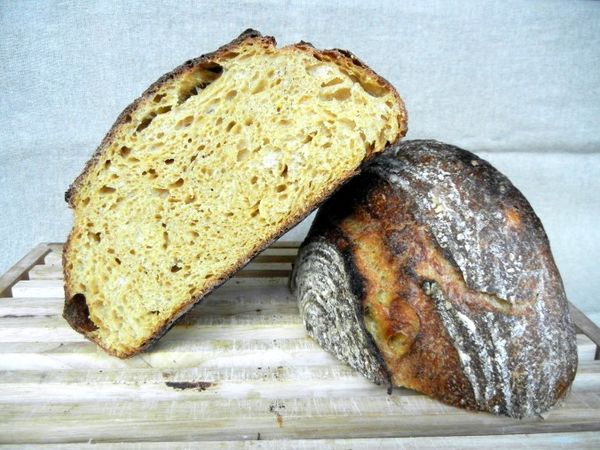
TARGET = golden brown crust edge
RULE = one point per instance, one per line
(342, 56)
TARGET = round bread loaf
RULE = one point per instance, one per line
(431, 271)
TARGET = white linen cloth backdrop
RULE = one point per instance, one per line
(516, 82)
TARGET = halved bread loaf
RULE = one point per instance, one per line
(212, 163)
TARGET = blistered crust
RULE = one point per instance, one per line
(471, 310)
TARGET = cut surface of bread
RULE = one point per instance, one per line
(214, 161)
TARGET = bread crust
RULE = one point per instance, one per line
(476, 298)
(342, 57)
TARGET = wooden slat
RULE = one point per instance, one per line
(586, 349)
(19, 270)
(153, 375)
(386, 416)
(208, 384)
(568, 440)
(202, 391)
(277, 347)
(589, 328)
(267, 349)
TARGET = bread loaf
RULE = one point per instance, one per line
(212, 163)
(431, 271)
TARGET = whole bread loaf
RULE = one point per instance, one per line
(213, 162)
(431, 271)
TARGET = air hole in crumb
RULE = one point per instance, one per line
(307, 138)
(231, 94)
(96, 236)
(107, 163)
(229, 55)
(107, 190)
(175, 268)
(163, 109)
(132, 252)
(259, 86)
(178, 183)
(332, 82)
(124, 151)
(169, 161)
(200, 79)
(78, 313)
(158, 97)
(340, 95)
(162, 193)
(86, 201)
(193, 158)
(185, 122)
(118, 261)
(145, 123)
(254, 179)
(284, 171)
(348, 123)
(242, 155)
(281, 188)
(373, 89)
(230, 125)
(248, 121)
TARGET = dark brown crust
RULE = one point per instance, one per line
(493, 331)
(341, 56)
(432, 364)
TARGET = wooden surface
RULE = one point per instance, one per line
(236, 372)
